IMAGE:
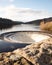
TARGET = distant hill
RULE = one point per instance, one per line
(37, 22)
(7, 23)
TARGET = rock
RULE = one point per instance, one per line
(34, 54)
(1, 57)
(38, 54)
(13, 59)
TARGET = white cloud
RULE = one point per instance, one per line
(11, 0)
(7, 1)
(22, 14)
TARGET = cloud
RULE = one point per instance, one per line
(22, 14)
(11, 0)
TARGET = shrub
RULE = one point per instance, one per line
(46, 26)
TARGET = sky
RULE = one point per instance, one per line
(25, 10)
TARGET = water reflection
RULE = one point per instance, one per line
(22, 27)
(6, 46)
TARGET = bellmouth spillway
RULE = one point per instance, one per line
(25, 37)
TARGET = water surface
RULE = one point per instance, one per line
(7, 46)
(22, 27)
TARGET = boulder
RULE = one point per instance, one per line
(34, 54)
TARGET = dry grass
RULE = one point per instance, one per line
(46, 26)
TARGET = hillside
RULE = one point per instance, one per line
(7, 23)
(37, 22)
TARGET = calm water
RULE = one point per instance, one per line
(22, 27)
(6, 46)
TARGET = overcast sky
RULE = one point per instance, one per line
(25, 10)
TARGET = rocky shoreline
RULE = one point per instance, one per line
(34, 54)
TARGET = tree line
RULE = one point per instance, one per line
(7, 23)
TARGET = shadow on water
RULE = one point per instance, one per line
(6, 46)
(3, 27)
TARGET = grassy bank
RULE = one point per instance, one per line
(46, 26)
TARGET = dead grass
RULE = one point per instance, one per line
(46, 26)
